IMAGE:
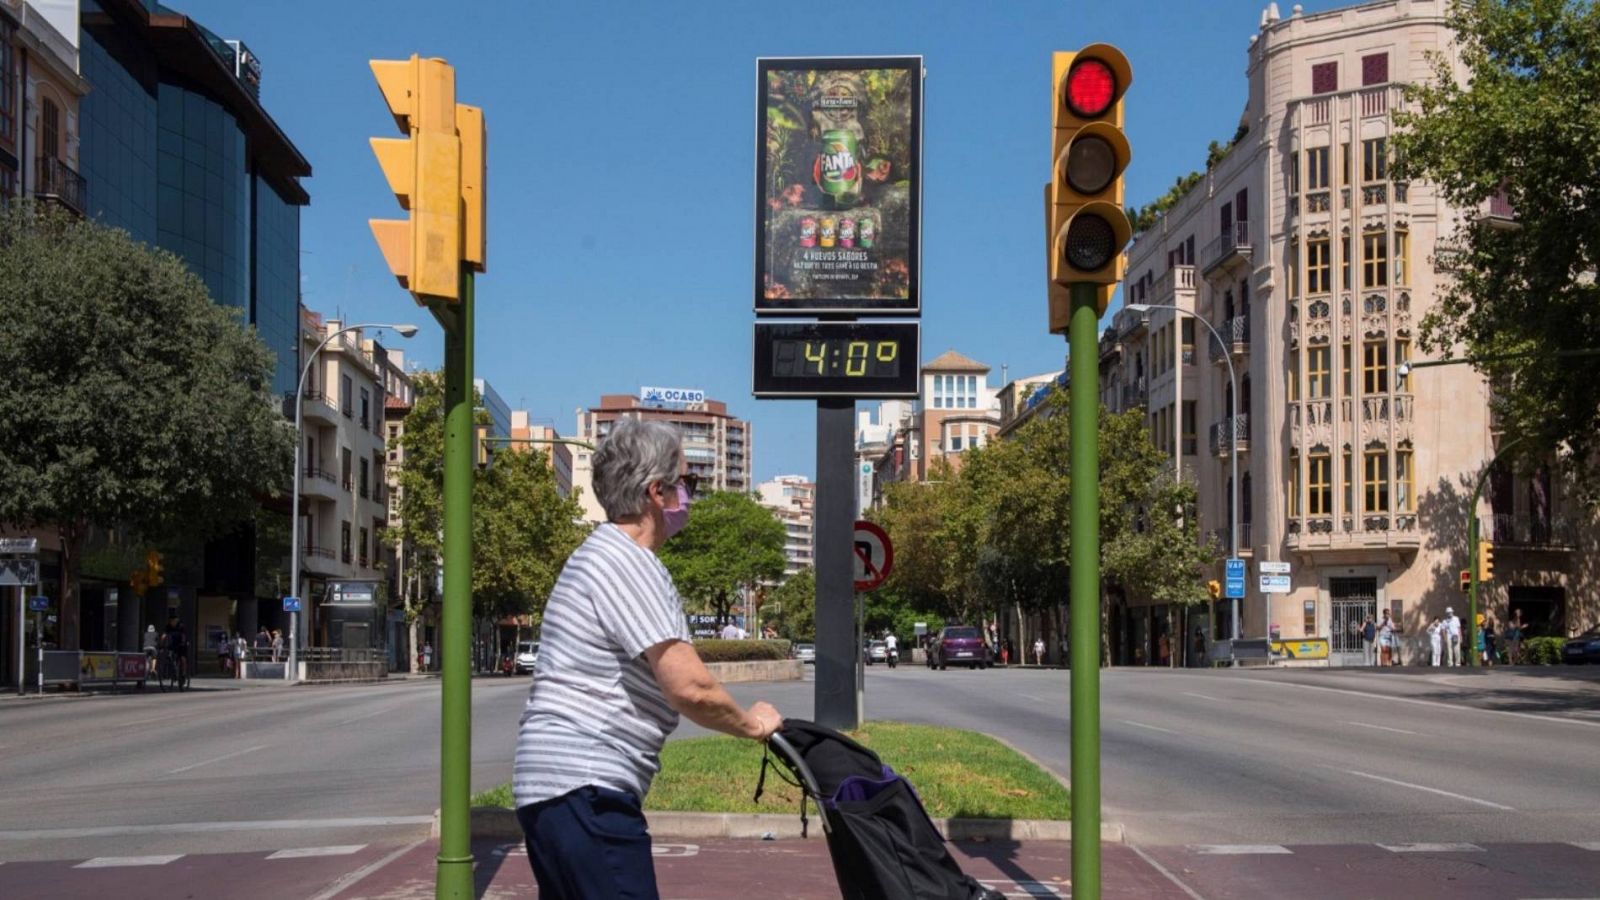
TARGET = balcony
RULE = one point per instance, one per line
(1501, 215)
(1135, 393)
(58, 182)
(1379, 531)
(1219, 539)
(320, 483)
(1226, 433)
(1229, 250)
(1236, 331)
(1529, 532)
(321, 561)
(317, 407)
(1165, 290)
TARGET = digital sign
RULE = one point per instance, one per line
(837, 359)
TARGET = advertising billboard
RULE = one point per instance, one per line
(838, 186)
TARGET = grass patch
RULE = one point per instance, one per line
(957, 773)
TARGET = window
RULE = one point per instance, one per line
(1344, 163)
(344, 467)
(1308, 622)
(1294, 269)
(1402, 257)
(364, 478)
(1294, 173)
(1318, 384)
(1377, 482)
(1188, 339)
(1317, 168)
(1405, 480)
(344, 541)
(362, 549)
(938, 392)
(49, 129)
(1293, 488)
(394, 432)
(1375, 367)
(1402, 353)
(1294, 374)
(1190, 442)
(1348, 477)
(1374, 160)
(1325, 78)
(1319, 486)
(346, 395)
(366, 409)
(8, 82)
(1345, 368)
(1374, 260)
(1374, 69)
(1317, 267)
(1344, 262)
(955, 443)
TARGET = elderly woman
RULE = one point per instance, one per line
(615, 671)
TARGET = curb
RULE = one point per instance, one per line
(497, 823)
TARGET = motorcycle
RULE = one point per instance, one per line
(893, 657)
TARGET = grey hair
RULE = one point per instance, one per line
(633, 455)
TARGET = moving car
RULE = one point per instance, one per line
(806, 653)
(876, 652)
(527, 657)
(962, 645)
(1585, 648)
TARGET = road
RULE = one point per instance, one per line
(1219, 763)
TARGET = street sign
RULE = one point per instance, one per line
(291, 604)
(19, 546)
(38, 604)
(1274, 584)
(874, 556)
(1233, 588)
(19, 571)
(1273, 568)
(1235, 568)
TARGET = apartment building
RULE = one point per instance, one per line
(792, 499)
(40, 90)
(955, 411)
(527, 434)
(1313, 267)
(718, 447)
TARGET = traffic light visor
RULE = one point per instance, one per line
(1091, 87)
(1091, 242)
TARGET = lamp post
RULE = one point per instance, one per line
(404, 331)
(1233, 459)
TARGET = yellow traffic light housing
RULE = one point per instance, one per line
(154, 570)
(1214, 588)
(474, 185)
(1485, 561)
(1086, 226)
(424, 171)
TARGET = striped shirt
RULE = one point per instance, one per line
(595, 714)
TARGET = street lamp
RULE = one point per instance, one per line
(1233, 453)
(404, 331)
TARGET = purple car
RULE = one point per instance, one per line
(960, 645)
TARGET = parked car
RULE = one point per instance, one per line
(1585, 648)
(527, 657)
(875, 652)
(961, 645)
(806, 653)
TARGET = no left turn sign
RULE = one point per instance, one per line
(873, 556)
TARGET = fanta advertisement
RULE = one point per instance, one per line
(839, 159)
(661, 396)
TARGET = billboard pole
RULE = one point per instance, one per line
(835, 702)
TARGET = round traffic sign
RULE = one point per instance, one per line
(873, 556)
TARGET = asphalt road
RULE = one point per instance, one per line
(1189, 757)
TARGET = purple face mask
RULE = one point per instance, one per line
(675, 519)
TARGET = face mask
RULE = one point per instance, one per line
(675, 519)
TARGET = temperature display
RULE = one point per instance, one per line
(836, 359)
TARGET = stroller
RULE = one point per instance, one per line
(883, 845)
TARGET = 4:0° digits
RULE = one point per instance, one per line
(852, 359)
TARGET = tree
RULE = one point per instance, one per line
(731, 542)
(128, 398)
(796, 603)
(1520, 125)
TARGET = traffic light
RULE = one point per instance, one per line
(1086, 225)
(1466, 580)
(474, 185)
(1214, 588)
(424, 171)
(482, 452)
(153, 568)
(1485, 561)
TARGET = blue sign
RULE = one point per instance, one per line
(39, 604)
(1234, 589)
(1235, 568)
(291, 604)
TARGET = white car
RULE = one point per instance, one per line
(527, 657)
(806, 653)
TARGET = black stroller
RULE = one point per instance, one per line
(883, 844)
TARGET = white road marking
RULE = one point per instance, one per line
(1241, 850)
(1381, 727)
(115, 862)
(675, 851)
(1035, 699)
(373, 714)
(345, 881)
(1587, 845)
(1452, 707)
(225, 756)
(1202, 696)
(1143, 725)
(202, 827)
(1422, 787)
(303, 852)
(1028, 890)
(1432, 848)
(1193, 895)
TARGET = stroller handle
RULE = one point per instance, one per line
(808, 780)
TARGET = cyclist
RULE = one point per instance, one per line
(177, 642)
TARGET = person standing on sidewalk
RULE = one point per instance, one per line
(1369, 641)
(616, 670)
(1452, 636)
(1436, 639)
(1513, 636)
(1038, 651)
(1388, 642)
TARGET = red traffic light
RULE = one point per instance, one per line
(1466, 580)
(1091, 87)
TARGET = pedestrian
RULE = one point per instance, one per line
(1452, 637)
(1513, 637)
(225, 654)
(1488, 640)
(616, 671)
(427, 656)
(277, 645)
(1388, 642)
(1199, 651)
(1369, 641)
(263, 642)
(1164, 647)
(1038, 651)
(241, 652)
(1436, 639)
(1066, 652)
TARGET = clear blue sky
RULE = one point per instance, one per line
(621, 146)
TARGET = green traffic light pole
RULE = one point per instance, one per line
(1083, 394)
(453, 880)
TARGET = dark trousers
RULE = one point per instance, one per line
(590, 844)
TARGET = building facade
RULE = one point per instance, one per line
(718, 447)
(403, 589)
(792, 498)
(1314, 268)
(41, 88)
(527, 434)
(955, 411)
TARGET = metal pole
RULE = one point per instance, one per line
(1468, 646)
(290, 669)
(22, 641)
(861, 659)
(38, 643)
(454, 875)
(837, 672)
(1084, 597)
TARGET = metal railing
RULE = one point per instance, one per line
(1236, 331)
(1234, 240)
(317, 474)
(1134, 393)
(1547, 532)
(341, 655)
(318, 552)
(60, 182)
(1228, 431)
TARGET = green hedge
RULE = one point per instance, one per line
(1542, 651)
(713, 650)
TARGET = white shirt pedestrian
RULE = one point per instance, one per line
(1452, 637)
(730, 632)
(1436, 639)
(1038, 651)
